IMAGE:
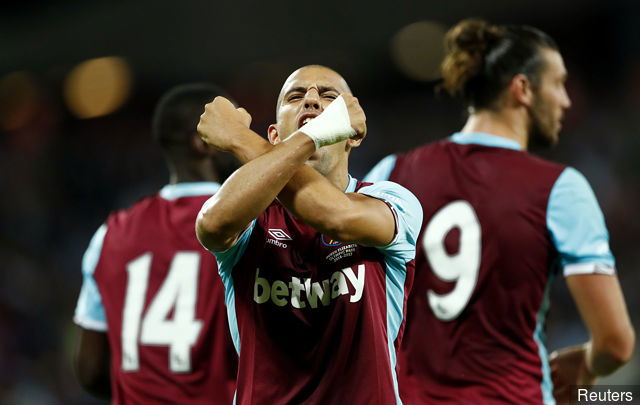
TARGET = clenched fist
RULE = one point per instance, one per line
(222, 124)
(568, 370)
(356, 115)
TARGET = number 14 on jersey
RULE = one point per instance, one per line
(178, 293)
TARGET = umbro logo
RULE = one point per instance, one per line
(279, 234)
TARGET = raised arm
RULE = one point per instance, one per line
(279, 170)
(351, 217)
(250, 190)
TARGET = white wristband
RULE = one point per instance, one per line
(332, 126)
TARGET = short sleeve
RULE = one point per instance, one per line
(227, 259)
(382, 170)
(577, 226)
(408, 213)
(89, 312)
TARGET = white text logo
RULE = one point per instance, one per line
(301, 291)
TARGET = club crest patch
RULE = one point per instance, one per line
(329, 242)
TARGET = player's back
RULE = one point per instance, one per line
(164, 304)
(483, 267)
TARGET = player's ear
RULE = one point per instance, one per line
(521, 90)
(354, 143)
(273, 135)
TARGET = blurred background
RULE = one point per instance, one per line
(79, 80)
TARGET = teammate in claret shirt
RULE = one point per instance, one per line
(498, 224)
(151, 309)
(316, 264)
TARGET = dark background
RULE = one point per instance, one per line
(61, 174)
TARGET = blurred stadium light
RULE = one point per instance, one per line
(97, 87)
(417, 50)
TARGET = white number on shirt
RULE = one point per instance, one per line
(178, 292)
(461, 267)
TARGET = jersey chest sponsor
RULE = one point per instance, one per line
(301, 292)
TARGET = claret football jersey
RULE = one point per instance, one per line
(149, 284)
(498, 224)
(315, 320)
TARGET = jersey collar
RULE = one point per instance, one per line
(193, 189)
(480, 138)
(351, 187)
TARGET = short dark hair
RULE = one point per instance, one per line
(176, 115)
(481, 59)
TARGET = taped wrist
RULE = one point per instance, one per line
(332, 126)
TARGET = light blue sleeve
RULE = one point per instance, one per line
(577, 226)
(382, 170)
(89, 312)
(227, 259)
(408, 213)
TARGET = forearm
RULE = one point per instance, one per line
(308, 194)
(601, 304)
(352, 217)
(92, 363)
(251, 148)
(602, 360)
(250, 190)
(315, 200)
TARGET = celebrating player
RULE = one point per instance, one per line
(315, 279)
(151, 308)
(497, 221)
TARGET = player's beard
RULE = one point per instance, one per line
(323, 164)
(327, 158)
(541, 131)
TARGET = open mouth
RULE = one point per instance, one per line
(304, 118)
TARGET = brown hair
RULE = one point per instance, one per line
(481, 59)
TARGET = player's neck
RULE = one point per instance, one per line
(499, 123)
(339, 176)
(193, 172)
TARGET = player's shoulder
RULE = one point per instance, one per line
(395, 194)
(122, 216)
(538, 171)
(428, 148)
(571, 182)
(415, 158)
(543, 163)
(384, 187)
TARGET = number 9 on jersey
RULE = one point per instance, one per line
(461, 267)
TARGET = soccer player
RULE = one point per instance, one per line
(316, 278)
(151, 308)
(498, 223)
